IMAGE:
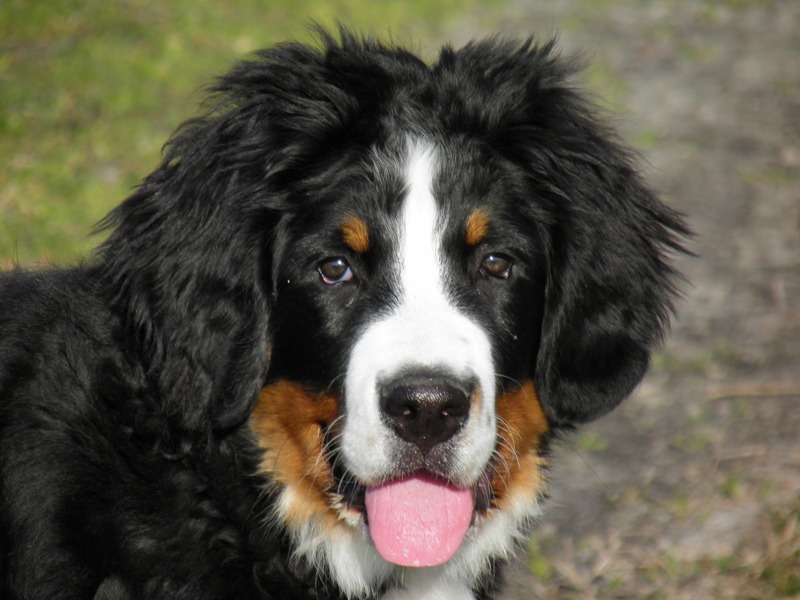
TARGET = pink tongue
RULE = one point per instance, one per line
(418, 521)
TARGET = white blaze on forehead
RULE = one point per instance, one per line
(421, 266)
(425, 331)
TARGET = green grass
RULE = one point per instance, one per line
(589, 441)
(775, 177)
(90, 90)
(609, 85)
(779, 575)
(538, 563)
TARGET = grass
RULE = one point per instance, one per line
(765, 567)
(777, 575)
(775, 177)
(589, 441)
(90, 91)
(609, 85)
(538, 563)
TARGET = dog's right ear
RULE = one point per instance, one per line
(187, 271)
(188, 263)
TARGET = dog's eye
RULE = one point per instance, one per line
(335, 270)
(496, 265)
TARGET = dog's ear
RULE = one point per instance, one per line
(610, 283)
(610, 287)
(187, 267)
(189, 263)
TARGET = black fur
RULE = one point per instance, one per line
(126, 462)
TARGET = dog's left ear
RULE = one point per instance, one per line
(187, 269)
(611, 283)
(610, 289)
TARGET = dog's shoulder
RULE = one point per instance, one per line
(51, 323)
(91, 473)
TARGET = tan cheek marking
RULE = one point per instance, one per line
(477, 227)
(289, 424)
(522, 423)
(356, 234)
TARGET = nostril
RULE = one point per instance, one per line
(398, 407)
(425, 411)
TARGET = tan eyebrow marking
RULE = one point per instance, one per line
(477, 227)
(356, 234)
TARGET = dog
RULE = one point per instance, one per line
(327, 342)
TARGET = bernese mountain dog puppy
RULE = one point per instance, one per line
(325, 346)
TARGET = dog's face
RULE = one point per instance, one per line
(399, 280)
(406, 323)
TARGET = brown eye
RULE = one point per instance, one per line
(335, 270)
(496, 265)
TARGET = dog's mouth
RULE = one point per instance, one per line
(299, 433)
(419, 519)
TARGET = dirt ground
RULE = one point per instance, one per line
(692, 488)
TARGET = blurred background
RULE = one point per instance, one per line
(692, 488)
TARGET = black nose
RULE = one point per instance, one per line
(425, 410)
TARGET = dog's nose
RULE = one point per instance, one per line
(425, 410)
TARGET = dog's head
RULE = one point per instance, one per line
(402, 278)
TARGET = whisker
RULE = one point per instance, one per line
(334, 380)
(511, 379)
(507, 437)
